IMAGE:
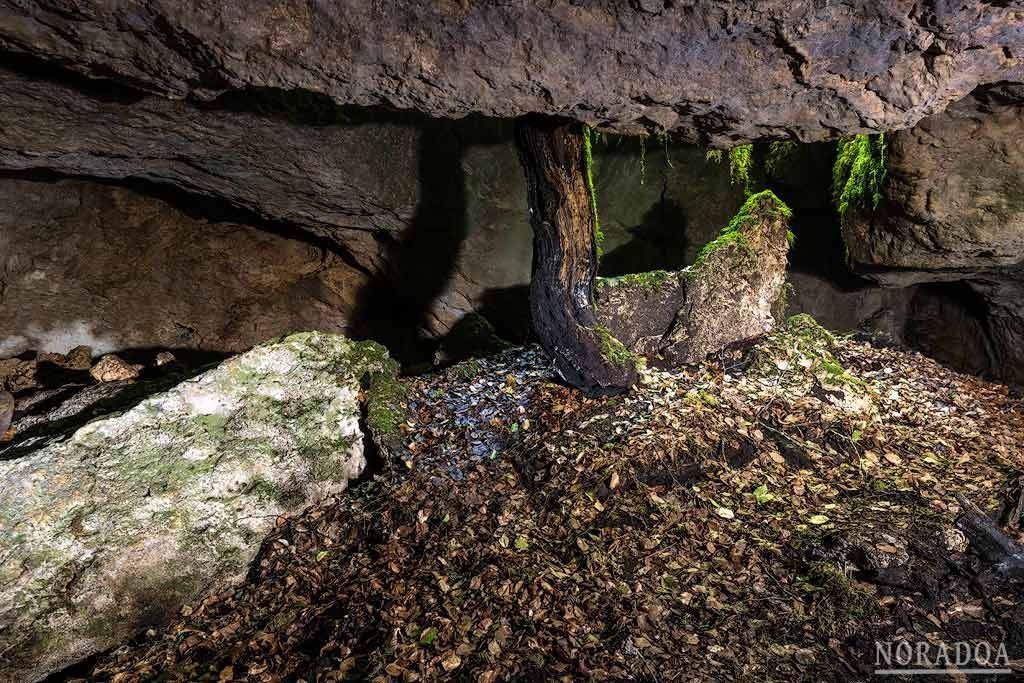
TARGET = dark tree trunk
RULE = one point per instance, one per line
(565, 259)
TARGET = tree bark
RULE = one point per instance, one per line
(565, 259)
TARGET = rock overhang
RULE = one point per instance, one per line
(717, 72)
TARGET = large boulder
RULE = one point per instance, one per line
(113, 529)
(731, 293)
(719, 71)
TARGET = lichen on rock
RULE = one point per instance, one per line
(116, 527)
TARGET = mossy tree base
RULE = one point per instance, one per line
(565, 257)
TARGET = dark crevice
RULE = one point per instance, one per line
(101, 89)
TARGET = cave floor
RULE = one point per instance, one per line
(766, 515)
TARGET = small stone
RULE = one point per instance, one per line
(165, 358)
(50, 357)
(78, 358)
(17, 375)
(956, 540)
(6, 412)
(111, 368)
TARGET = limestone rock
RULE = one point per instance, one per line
(727, 295)
(880, 312)
(115, 269)
(78, 358)
(164, 358)
(115, 528)
(428, 214)
(951, 211)
(111, 368)
(951, 204)
(17, 375)
(719, 71)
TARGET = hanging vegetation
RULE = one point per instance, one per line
(859, 172)
(741, 161)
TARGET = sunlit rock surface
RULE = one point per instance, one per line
(115, 528)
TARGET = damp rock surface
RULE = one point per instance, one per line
(113, 529)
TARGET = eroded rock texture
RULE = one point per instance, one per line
(953, 203)
(115, 528)
(104, 266)
(713, 70)
(730, 294)
(952, 210)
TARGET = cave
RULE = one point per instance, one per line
(536, 341)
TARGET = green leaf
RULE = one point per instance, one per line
(762, 496)
(428, 637)
(522, 543)
(817, 519)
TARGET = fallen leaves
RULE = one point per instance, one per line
(646, 536)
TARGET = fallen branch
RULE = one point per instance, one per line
(989, 540)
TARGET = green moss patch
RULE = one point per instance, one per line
(761, 206)
(651, 280)
(615, 351)
(588, 163)
(741, 163)
(859, 172)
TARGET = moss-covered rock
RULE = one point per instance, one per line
(727, 295)
(116, 527)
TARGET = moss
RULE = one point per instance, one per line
(373, 366)
(616, 352)
(815, 342)
(378, 373)
(213, 424)
(777, 155)
(467, 370)
(265, 489)
(859, 172)
(651, 280)
(740, 165)
(805, 328)
(643, 158)
(588, 163)
(761, 206)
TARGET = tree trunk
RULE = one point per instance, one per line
(565, 259)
